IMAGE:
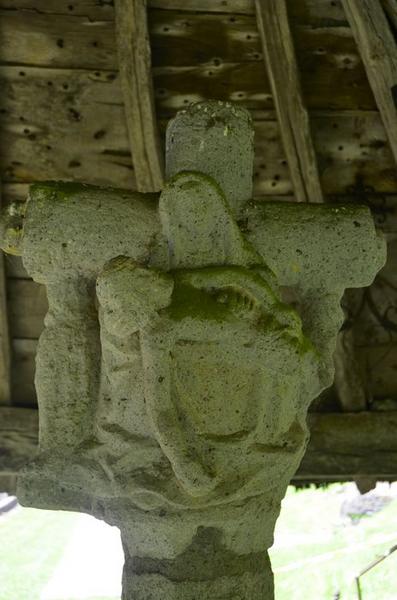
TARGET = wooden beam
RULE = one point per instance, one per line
(23, 370)
(325, 11)
(221, 6)
(343, 446)
(137, 86)
(349, 382)
(390, 7)
(378, 51)
(19, 429)
(279, 53)
(27, 309)
(293, 119)
(5, 347)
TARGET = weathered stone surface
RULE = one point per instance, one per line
(218, 322)
(181, 351)
(217, 139)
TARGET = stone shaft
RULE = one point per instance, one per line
(216, 553)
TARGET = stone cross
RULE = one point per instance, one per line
(186, 336)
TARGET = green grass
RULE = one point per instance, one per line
(32, 542)
(315, 555)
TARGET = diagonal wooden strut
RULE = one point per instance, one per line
(378, 51)
(137, 86)
(279, 53)
(390, 7)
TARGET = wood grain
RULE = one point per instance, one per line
(221, 6)
(282, 68)
(226, 45)
(28, 306)
(88, 141)
(5, 349)
(101, 10)
(350, 381)
(391, 10)
(343, 446)
(30, 37)
(378, 50)
(63, 124)
(92, 10)
(380, 362)
(352, 154)
(22, 373)
(19, 430)
(316, 10)
(137, 86)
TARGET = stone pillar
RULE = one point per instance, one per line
(174, 375)
(213, 554)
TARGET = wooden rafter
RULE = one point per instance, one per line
(294, 123)
(221, 6)
(5, 347)
(349, 381)
(137, 86)
(390, 7)
(279, 53)
(345, 446)
(378, 51)
(361, 445)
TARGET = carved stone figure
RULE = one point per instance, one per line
(174, 375)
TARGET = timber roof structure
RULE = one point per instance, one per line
(86, 90)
